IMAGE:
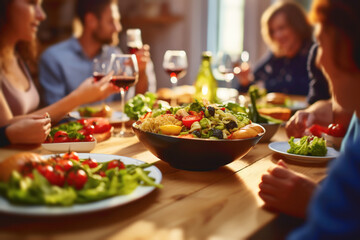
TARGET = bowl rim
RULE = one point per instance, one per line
(203, 139)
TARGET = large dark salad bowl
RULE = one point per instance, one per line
(195, 154)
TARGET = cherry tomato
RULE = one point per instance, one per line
(317, 130)
(89, 129)
(57, 178)
(189, 120)
(102, 173)
(62, 139)
(89, 138)
(116, 163)
(336, 130)
(83, 122)
(45, 170)
(71, 155)
(77, 179)
(65, 164)
(90, 162)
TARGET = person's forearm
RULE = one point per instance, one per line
(322, 111)
(340, 115)
(59, 109)
(142, 85)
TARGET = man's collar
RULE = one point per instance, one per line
(76, 46)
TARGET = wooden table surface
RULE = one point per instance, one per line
(219, 204)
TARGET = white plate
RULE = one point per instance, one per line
(116, 117)
(298, 105)
(70, 146)
(139, 192)
(282, 147)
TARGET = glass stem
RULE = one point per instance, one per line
(174, 81)
(122, 98)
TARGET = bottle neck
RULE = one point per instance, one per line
(205, 63)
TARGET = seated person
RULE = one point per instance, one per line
(333, 211)
(319, 88)
(18, 95)
(288, 33)
(64, 66)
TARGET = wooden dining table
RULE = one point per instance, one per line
(218, 204)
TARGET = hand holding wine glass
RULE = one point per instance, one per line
(100, 67)
(175, 64)
(242, 69)
(126, 74)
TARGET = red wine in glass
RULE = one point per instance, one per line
(176, 72)
(123, 82)
(133, 50)
(97, 76)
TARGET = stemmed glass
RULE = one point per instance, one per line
(101, 66)
(226, 67)
(126, 75)
(175, 64)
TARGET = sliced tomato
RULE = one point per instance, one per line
(189, 120)
(186, 136)
(101, 125)
(90, 162)
(336, 130)
(317, 130)
(83, 122)
(116, 163)
(145, 116)
(77, 179)
(71, 155)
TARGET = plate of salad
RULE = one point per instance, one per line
(88, 182)
(308, 149)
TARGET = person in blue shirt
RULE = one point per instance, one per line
(334, 210)
(288, 33)
(64, 66)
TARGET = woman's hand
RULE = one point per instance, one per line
(32, 129)
(243, 73)
(286, 191)
(90, 91)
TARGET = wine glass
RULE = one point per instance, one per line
(100, 67)
(133, 40)
(126, 75)
(225, 67)
(175, 64)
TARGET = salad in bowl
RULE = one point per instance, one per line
(198, 136)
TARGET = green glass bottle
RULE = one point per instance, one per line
(206, 85)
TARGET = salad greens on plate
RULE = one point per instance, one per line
(310, 146)
(66, 180)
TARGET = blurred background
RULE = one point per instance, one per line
(194, 26)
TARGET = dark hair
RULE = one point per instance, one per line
(26, 50)
(96, 7)
(295, 16)
(344, 16)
